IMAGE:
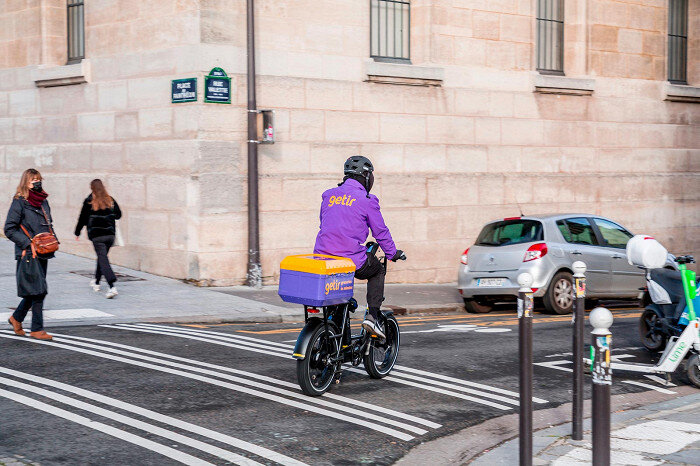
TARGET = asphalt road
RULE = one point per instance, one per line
(162, 394)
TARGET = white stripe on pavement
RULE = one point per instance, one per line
(649, 386)
(283, 383)
(465, 382)
(184, 440)
(223, 336)
(279, 399)
(223, 438)
(104, 428)
(209, 332)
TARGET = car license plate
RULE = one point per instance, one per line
(490, 282)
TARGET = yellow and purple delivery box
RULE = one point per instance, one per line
(316, 279)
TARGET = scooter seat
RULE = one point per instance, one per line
(669, 280)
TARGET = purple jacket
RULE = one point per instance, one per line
(346, 214)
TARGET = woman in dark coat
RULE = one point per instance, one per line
(29, 209)
(100, 213)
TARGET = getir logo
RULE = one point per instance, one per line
(336, 285)
(337, 200)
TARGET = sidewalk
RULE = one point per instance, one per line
(647, 433)
(146, 297)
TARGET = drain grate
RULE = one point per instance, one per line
(122, 277)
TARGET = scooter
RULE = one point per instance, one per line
(646, 252)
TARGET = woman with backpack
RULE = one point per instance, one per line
(100, 213)
(29, 226)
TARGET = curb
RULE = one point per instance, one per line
(472, 442)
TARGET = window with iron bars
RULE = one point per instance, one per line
(390, 30)
(677, 41)
(550, 36)
(76, 31)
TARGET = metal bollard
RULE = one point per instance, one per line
(525, 340)
(578, 318)
(601, 319)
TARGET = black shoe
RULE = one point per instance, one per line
(372, 327)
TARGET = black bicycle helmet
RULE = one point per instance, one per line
(358, 165)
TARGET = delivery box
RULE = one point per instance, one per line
(316, 279)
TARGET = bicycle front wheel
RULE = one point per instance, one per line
(382, 355)
(315, 372)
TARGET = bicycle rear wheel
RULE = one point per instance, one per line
(315, 372)
(382, 355)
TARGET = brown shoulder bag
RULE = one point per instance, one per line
(44, 243)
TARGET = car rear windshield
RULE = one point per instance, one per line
(510, 232)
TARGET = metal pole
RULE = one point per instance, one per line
(525, 343)
(601, 319)
(254, 276)
(578, 317)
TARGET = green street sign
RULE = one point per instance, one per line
(217, 87)
(183, 90)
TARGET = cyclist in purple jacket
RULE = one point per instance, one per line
(348, 212)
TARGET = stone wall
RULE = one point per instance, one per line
(481, 146)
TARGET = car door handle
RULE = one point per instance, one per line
(576, 253)
(617, 256)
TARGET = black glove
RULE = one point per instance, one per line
(398, 256)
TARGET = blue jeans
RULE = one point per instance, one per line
(35, 303)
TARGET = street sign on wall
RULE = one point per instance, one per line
(217, 87)
(184, 90)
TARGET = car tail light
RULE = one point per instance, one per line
(536, 251)
(464, 256)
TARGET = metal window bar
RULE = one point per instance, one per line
(76, 30)
(678, 41)
(550, 36)
(390, 29)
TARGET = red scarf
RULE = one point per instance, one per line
(36, 198)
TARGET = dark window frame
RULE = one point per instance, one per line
(565, 223)
(678, 41)
(404, 7)
(546, 26)
(75, 31)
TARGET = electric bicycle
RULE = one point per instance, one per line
(326, 343)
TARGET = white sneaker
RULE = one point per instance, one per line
(95, 286)
(371, 326)
(111, 293)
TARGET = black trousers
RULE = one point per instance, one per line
(373, 271)
(33, 303)
(102, 245)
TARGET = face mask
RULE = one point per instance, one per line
(37, 186)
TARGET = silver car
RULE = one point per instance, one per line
(546, 246)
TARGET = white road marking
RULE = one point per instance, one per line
(208, 332)
(556, 365)
(227, 439)
(109, 430)
(649, 386)
(185, 333)
(184, 440)
(279, 399)
(64, 314)
(283, 383)
(460, 328)
(658, 379)
(458, 388)
(464, 382)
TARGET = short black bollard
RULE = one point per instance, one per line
(578, 317)
(525, 340)
(601, 319)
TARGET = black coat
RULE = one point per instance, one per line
(99, 222)
(32, 218)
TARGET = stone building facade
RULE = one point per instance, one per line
(466, 132)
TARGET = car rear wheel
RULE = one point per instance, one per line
(559, 297)
(477, 305)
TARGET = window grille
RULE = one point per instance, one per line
(550, 36)
(390, 30)
(76, 31)
(677, 41)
